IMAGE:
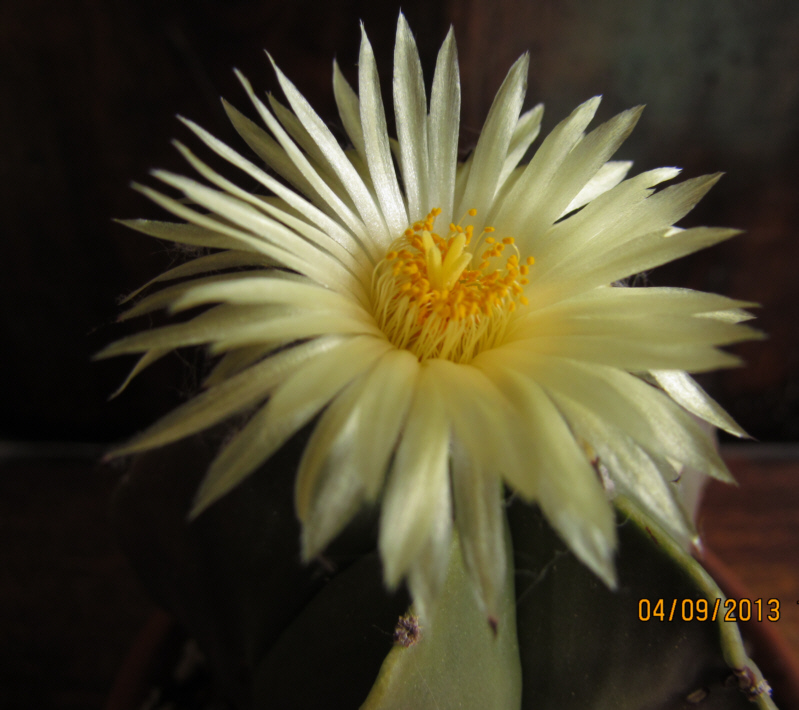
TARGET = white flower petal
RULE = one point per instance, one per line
(442, 132)
(631, 302)
(599, 267)
(302, 206)
(526, 131)
(629, 355)
(369, 212)
(524, 199)
(306, 142)
(229, 259)
(235, 361)
(307, 258)
(666, 207)
(356, 434)
(598, 219)
(144, 361)
(488, 431)
(625, 324)
(682, 388)
(329, 491)
(293, 404)
(577, 168)
(428, 571)
(606, 178)
(566, 485)
(231, 237)
(417, 484)
(410, 107)
(349, 109)
(227, 327)
(273, 326)
(492, 146)
(353, 260)
(481, 526)
(181, 233)
(632, 470)
(335, 156)
(271, 152)
(168, 295)
(234, 395)
(258, 290)
(643, 412)
(375, 136)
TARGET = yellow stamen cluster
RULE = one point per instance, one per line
(428, 301)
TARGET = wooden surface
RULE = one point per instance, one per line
(70, 606)
(754, 530)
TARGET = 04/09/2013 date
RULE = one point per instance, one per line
(706, 610)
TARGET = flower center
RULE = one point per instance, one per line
(427, 299)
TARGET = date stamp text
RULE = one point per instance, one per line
(707, 610)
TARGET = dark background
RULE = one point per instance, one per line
(89, 94)
(91, 90)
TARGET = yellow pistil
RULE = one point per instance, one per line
(427, 299)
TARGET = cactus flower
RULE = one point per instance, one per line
(453, 329)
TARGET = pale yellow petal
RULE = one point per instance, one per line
(292, 405)
(442, 129)
(479, 517)
(652, 483)
(417, 483)
(492, 146)
(682, 388)
(378, 151)
(565, 484)
(410, 107)
(229, 397)
(219, 261)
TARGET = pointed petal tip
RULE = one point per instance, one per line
(187, 121)
(635, 114)
(198, 506)
(101, 354)
(307, 550)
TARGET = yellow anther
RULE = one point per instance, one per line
(530, 260)
(431, 299)
(488, 229)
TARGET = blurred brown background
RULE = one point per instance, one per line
(90, 90)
